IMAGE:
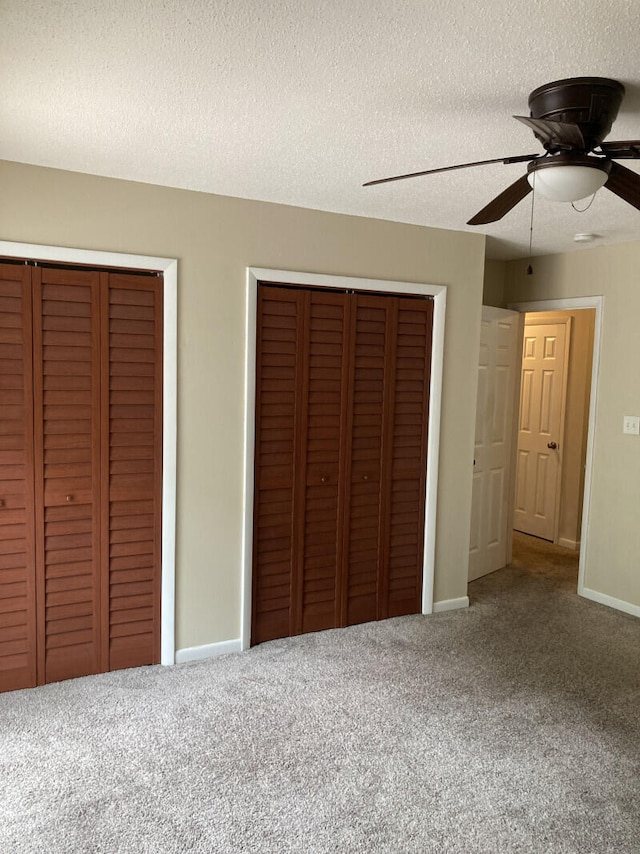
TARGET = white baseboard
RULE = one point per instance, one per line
(450, 604)
(207, 650)
(610, 601)
(569, 544)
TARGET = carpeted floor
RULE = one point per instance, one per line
(513, 726)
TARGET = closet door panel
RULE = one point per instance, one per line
(366, 426)
(407, 457)
(67, 456)
(17, 570)
(132, 465)
(279, 341)
(323, 460)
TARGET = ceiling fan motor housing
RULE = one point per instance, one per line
(592, 103)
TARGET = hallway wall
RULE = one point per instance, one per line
(612, 544)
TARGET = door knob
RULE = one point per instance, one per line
(552, 445)
(365, 477)
(323, 480)
(69, 497)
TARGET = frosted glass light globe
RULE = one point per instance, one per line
(567, 183)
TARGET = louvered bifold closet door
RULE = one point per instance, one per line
(371, 398)
(280, 331)
(301, 399)
(389, 412)
(342, 408)
(406, 459)
(67, 482)
(322, 461)
(132, 466)
(17, 570)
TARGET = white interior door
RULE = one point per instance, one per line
(495, 410)
(541, 427)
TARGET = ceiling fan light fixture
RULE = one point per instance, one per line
(571, 118)
(568, 179)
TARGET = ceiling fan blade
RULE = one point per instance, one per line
(554, 134)
(624, 183)
(518, 158)
(623, 150)
(503, 203)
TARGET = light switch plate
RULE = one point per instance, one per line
(631, 425)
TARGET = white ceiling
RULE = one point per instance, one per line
(301, 101)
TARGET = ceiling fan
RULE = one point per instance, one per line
(571, 118)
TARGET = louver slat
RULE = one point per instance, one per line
(17, 571)
(132, 460)
(67, 400)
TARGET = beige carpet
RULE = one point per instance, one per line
(513, 726)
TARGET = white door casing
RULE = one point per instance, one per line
(541, 425)
(491, 529)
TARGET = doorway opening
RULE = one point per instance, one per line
(578, 496)
(570, 526)
(555, 386)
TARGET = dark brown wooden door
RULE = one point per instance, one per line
(321, 462)
(405, 461)
(80, 472)
(302, 370)
(17, 576)
(67, 460)
(387, 422)
(279, 375)
(132, 466)
(369, 437)
(340, 469)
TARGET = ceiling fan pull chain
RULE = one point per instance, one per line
(533, 198)
(582, 210)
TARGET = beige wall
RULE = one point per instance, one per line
(215, 238)
(576, 425)
(612, 542)
(495, 274)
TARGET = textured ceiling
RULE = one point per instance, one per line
(301, 101)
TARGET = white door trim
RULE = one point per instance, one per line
(169, 268)
(570, 304)
(439, 293)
